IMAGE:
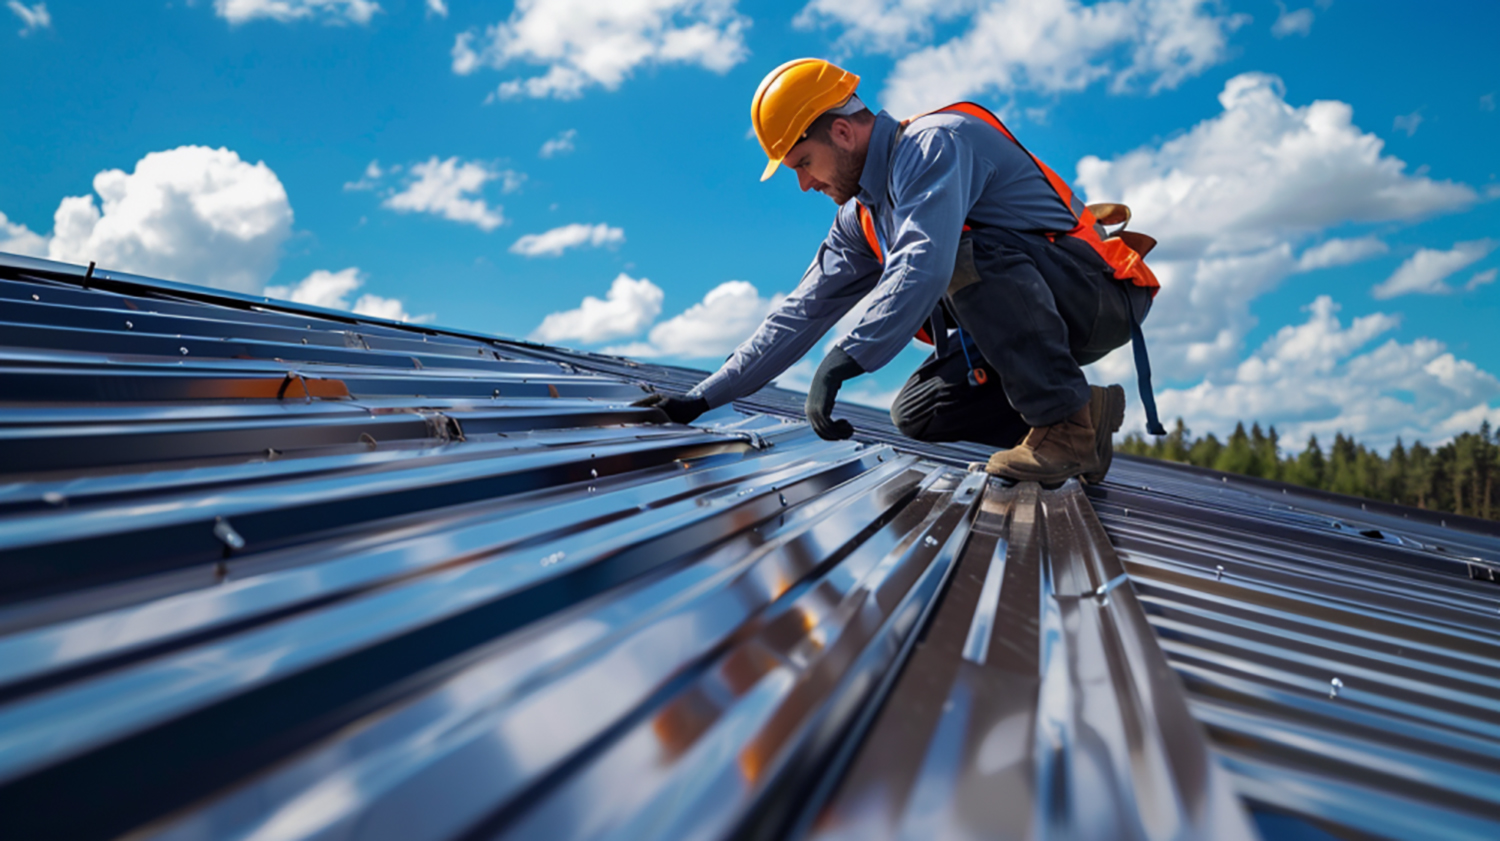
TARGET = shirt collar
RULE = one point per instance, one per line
(872, 182)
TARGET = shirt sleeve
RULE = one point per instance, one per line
(934, 179)
(844, 271)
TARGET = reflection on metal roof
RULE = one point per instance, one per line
(274, 572)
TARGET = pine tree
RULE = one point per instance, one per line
(1461, 476)
(1238, 456)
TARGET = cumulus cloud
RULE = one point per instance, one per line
(559, 145)
(32, 17)
(1427, 270)
(331, 290)
(438, 8)
(16, 238)
(1317, 378)
(1230, 198)
(286, 11)
(883, 26)
(1408, 122)
(586, 43)
(371, 178)
(554, 242)
(1340, 252)
(1043, 46)
(1481, 278)
(191, 214)
(1487, 102)
(627, 308)
(1289, 22)
(713, 327)
(452, 189)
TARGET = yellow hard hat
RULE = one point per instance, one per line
(790, 98)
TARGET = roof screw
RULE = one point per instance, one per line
(1334, 686)
(782, 497)
(593, 473)
(497, 392)
(553, 558)
(271, 453)
(593, 489)
(227, 535)
(1127, 512)
(54, 498)
(184, 351)
(36, 297)
(1219, 572)
(930, 540)
(129, 326)
(304, 341)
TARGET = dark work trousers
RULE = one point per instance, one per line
(1038, 311)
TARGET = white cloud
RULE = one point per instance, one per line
(286, 11)
(1315, 378)
(32, 17)
(331, 290)
(884, 26)
(16, 238)
(552, 243)
(559, 145)
(1292, 23)
(192, 214)
(451, 189)
(1427, 270)
(714, 327)
(627, 308)
(1487, 102)
(1408, 122)
(437, 7)
(583, 43)
(371, 178)
(1044, 46)
(1340, 252)
(1230, 198)
(1481, 278)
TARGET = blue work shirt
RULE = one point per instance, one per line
(945, 169)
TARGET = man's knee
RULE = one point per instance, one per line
(910, 420)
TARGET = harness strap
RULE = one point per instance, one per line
(1143, 376)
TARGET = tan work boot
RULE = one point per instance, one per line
(1107, 411)
(1050, 454)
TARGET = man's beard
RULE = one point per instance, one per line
(848, 167)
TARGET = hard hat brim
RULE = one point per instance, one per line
(771, 168)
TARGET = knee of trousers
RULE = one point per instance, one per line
(912, 424)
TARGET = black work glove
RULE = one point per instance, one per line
(837, 368)
(677, 409)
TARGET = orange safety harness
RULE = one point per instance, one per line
(1124, 251)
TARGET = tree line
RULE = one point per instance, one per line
(1458, 477)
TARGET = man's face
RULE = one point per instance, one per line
(827, 166)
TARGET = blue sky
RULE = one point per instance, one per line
(1323, 176)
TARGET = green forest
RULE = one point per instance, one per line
(1458, 477)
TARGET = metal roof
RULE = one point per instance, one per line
(268, 571)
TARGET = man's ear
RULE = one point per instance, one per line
(841, 134)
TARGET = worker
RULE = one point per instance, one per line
(953, 233)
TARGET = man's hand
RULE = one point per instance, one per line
(677, 409)
(837, 368)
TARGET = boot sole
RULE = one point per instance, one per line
(1111, 416)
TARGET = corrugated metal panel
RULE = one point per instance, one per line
(270, 571)
(1345, 660)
